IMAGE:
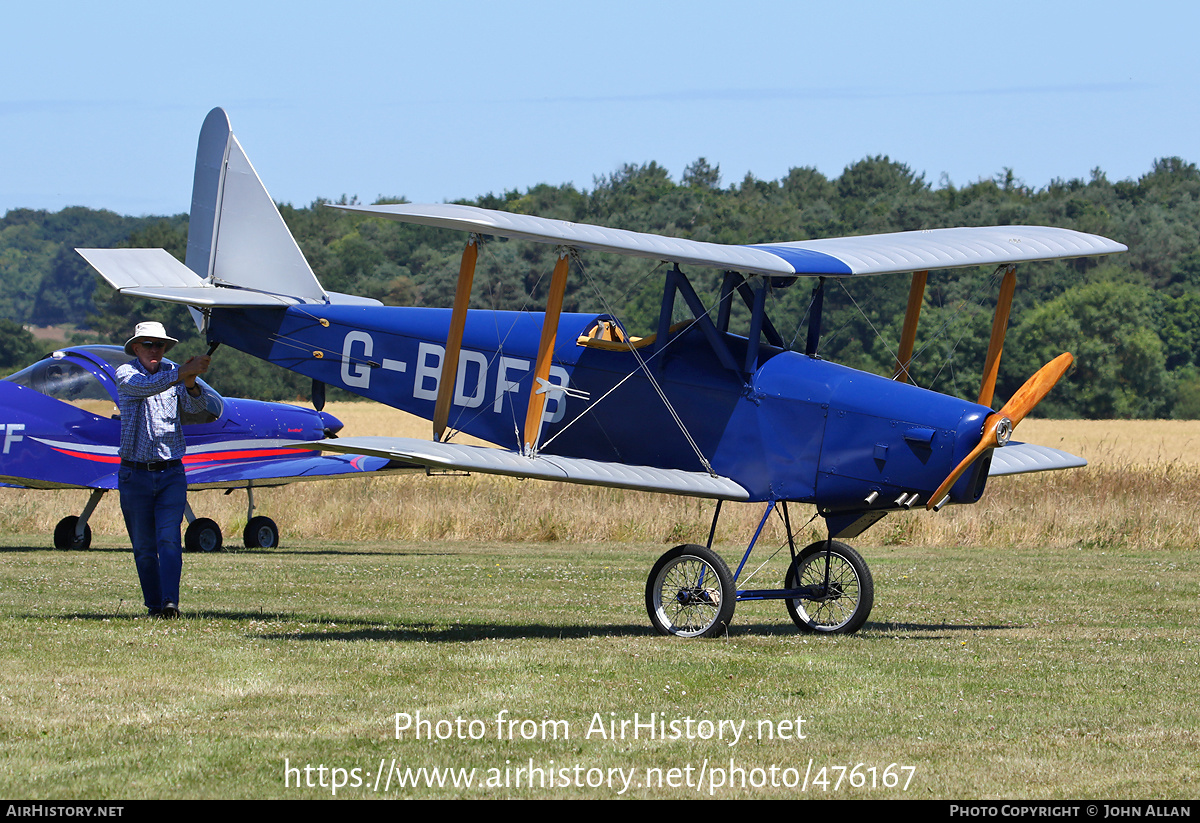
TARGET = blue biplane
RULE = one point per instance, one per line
(61, 430)
(693, 409)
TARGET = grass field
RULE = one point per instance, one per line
(1041, 644)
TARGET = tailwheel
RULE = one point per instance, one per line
(690, 593)
(840, 606)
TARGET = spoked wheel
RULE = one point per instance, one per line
(260, 533)
(202, 535)
(64, 534)
(690, 593)
(843, 607)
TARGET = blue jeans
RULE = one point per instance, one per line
(153, 503)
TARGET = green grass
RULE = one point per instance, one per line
(994, 673)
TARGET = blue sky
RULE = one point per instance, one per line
(437, 101)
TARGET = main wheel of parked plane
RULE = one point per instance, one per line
(842, 606)
(202, 535)
(690, 593)
(64, 534)
(260, 533)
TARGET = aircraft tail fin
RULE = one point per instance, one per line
(240, 252)
(236, 236)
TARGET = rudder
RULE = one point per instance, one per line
(236, 236)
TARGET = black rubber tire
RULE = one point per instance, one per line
(64, 534)
(202, 535)
(852, 591)
(260, 533)
(690, 593)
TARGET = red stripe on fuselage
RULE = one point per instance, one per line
(243, 454)
(206, 457)
(98, 458)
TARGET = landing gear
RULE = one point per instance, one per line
(260, 533)
(74, 532)
(202, 535)
(66, 537)
(827, 589)
(690, 593)
(837, 585)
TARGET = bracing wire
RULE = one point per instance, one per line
(643, 366)
(971, 301)
(742, 581)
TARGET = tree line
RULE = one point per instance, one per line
(1132, 321)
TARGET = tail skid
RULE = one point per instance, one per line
(240, 252)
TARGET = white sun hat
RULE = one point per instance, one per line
(152, 329)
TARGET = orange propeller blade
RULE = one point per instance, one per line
(1036, 388)
(1014, 411)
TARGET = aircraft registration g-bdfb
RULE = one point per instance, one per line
(693, 409)
(60, 430)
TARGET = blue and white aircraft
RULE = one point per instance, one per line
(693, 409)
(61, 430)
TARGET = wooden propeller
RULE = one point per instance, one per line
(998, 426)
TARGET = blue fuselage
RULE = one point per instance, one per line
(797, 428)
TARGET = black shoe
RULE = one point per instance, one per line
(170, 610)
(154, 612)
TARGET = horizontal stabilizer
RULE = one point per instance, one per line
(488, 460)
(832, 257)
(1023, 458)
(154, 273)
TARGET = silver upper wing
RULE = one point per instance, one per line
(831, 257)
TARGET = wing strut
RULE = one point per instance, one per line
(908, 337)
(541, 371)
(458, 320)
(815, 306)
(991, 366)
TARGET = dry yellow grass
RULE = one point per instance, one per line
(1142, 491)
(1119, 442)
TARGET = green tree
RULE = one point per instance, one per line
(701, 175)
(1120, 369)
(18, 348)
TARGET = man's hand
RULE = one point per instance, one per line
(194, 367)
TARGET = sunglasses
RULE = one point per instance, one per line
(152, 344)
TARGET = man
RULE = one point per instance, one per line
(151, 480)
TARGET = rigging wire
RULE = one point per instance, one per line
(971, 301)
(742, 581)
(643, 366)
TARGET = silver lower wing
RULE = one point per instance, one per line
(1022, 458)
(451, 456)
